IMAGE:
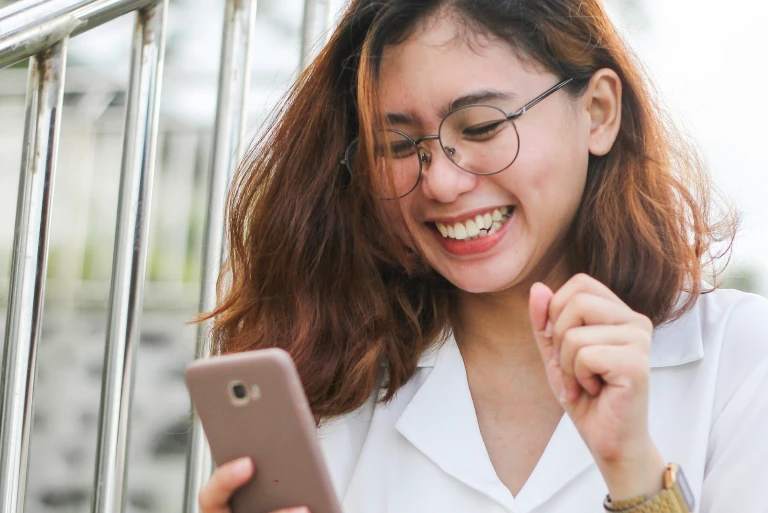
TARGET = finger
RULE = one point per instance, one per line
(585, 309)
(579, 283)
(616, 365)
(214, 496)
(538, 306)
(300, 509)
(575, 339)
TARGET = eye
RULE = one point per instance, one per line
(402, 149)
(487, 129)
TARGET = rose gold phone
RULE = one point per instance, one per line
(252, 404)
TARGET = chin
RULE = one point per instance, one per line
(480, 281)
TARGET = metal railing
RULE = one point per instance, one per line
(39, 30)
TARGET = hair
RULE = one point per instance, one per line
(315, 266)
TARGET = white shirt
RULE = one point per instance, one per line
(423, 452)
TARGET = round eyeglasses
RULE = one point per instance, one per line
(480, 139)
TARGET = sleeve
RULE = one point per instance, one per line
(736, 472)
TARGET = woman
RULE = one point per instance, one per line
(493, 309)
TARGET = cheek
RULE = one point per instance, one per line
(552, 176)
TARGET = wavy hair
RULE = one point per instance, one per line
(315, 266)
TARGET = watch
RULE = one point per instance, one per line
(676, 497)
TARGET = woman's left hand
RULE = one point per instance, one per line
(596, 352)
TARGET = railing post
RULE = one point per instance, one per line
(317, 21)
(130, 257)
(229, 127)
(30, 258)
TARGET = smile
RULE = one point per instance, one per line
(476, 227)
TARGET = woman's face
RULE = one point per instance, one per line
(541, 191)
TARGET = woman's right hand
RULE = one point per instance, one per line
(214, 496)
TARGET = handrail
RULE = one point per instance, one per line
(317, 20)
(30, 258)
(29, 31)
(129, 264)
(40, 31)
(229, 129)
(226, 156)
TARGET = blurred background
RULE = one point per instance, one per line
(706, 62)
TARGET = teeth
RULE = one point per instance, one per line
(481, 225)
(459, 231)
(472, 229)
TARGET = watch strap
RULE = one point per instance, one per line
(665, 501)
(623, 505)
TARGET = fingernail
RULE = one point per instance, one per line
(563, 395)
(242, 467)
(548, 329)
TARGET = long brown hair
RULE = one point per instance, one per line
(314, 266)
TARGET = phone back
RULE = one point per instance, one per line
(252, 404)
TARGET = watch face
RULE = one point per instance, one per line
(685, 490)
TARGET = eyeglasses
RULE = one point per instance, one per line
(480, 139)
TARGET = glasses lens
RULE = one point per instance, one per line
(480, 139)
(397, 165)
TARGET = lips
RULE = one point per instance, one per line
(455, 237)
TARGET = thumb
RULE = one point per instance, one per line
(538, 309)
(538, 306)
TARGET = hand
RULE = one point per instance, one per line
(214, 496)
(596, 352)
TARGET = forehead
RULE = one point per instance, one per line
(444, 59)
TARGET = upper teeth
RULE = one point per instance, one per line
(479, 226)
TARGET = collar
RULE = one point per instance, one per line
(441, 415)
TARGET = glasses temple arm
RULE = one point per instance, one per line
(536, 100)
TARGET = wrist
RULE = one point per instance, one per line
(638, 476)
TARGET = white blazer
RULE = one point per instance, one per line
(423, 452)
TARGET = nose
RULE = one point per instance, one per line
(441, 179)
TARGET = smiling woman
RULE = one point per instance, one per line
(482, 243)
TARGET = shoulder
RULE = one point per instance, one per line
(724, 335)
(734, 328)
(722, 323)
(736, 322)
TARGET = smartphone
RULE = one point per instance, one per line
(253, 404)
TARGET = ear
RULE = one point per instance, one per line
(603, 104)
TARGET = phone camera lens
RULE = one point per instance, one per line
(240, 391)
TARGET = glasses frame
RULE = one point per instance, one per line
(426, 157)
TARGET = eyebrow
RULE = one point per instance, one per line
(483, 96)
